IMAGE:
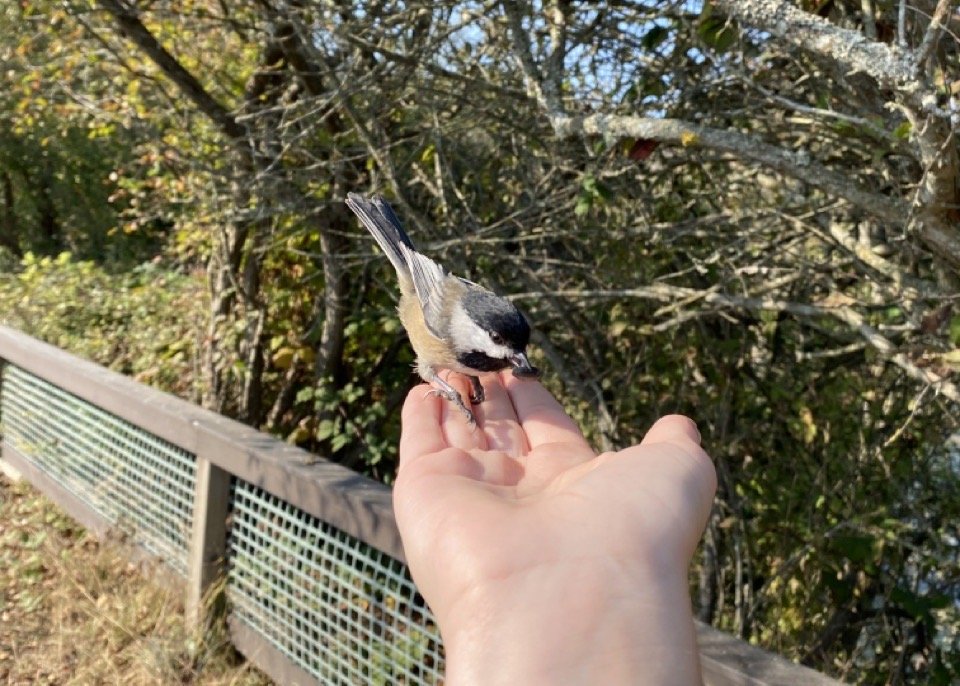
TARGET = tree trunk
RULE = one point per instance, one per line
(8, 221)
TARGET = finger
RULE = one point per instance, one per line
(460, 433)
(421, 433)
(541, 416)
(499, 419)
(691, 467)
(672, 428)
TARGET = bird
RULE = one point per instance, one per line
(452, 323)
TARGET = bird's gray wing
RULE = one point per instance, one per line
(428, 278)
(381, 221)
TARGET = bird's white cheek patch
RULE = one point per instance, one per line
(467, 336)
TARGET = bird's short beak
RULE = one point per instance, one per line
(522, 367)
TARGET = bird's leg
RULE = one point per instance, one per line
(447, 391)
(477, 395)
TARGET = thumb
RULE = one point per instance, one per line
(673, 428)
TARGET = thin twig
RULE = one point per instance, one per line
(853, 319)
(869, 19)
(902, 25)
(930, 38)
(903, 427)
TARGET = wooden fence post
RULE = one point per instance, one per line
(209, 538)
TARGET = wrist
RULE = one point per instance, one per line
(574, 626)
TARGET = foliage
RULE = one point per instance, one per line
(142, 322)
(59, 149)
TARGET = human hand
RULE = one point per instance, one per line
(542, 561)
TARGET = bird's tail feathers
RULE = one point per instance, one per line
(382, 223)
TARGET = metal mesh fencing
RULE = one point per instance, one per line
(141, 484)
(338, 608)
(342, 611)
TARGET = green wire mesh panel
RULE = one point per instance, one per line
(138, 482)
(343, 611)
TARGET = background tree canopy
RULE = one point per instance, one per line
(743, 210)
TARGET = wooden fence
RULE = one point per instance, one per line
(308, 550)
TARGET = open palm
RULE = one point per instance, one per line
(519, 513)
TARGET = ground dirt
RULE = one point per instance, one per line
(75, 610)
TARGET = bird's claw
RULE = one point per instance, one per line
(458, 401)
(477, 394)
(454, 398)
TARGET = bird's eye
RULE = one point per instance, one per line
(496, 338)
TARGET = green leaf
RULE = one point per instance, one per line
(654, 37)
(856, 547)
(955, 330)
(305, 394)
(339, 441)
(916, 605)
(326, 429)
(718, 33)
(583, 205)
(903, 131)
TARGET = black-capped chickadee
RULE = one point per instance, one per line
(452, 323)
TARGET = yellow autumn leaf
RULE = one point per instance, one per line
(952, 358)
(298, 435)
(809, 425)
(283, 358)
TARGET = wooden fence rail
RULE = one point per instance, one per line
(312, 526)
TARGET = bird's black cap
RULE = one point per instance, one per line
(498, 315)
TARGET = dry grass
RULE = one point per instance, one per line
(74, 610)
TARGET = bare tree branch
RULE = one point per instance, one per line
(848, 48)
(854, 320)
(127, 17)
(934, 30)
(902, 25)
(795, 164)
(549, 99)
(912, 286)
(553, 76)
(869, 19)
